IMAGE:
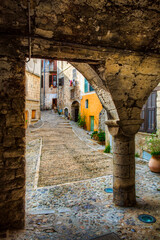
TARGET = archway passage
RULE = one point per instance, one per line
(121, 61)
(75, 111)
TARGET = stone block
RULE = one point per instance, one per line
(123, 159)
(15, 163)
(123, 148)
(8, 141)
(13, 153)
(121, 171)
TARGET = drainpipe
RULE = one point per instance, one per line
(44, 86)
(57, 87)
(40, 87)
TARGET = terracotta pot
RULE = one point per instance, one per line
(154, 164)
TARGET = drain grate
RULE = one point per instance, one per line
(108, 190)
(146, 218)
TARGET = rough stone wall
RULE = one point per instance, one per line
(102, 120)
(12, 142)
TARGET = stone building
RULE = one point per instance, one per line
(32, 100)
(69, 90)
(48, 84)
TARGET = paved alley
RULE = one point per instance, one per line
(65, 197)
(64, 156)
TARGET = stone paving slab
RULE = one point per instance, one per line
(110, 236)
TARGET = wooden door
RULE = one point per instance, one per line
(92, 123)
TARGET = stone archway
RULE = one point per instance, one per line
(75, 111)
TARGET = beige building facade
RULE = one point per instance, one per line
(32, 100)
(48, 84)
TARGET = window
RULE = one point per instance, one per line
(33, 114)
(51, 66)
(87, 86)
(41, 81)
(149, 114)
(74, 73)
(50, 80)
(91, 88)
(86, 103)
(61, 81)
(53, 80)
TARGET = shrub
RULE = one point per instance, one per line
(94, 134)
(107, 149)
(101, 136)
(153, 144)
(137, 155)
(81, 120)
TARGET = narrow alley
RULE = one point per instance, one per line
(65, 198)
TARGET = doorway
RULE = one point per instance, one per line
(75, 111)
(54, 103)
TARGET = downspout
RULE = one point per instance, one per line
(57, 87)
(40, 87)
(44, 86)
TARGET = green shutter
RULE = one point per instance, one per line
(85, 85)
(91, 88)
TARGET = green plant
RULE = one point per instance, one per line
(94, 133)
(107, 149)
(81, 120)
(101, 136)
(153, 144)
(137, 155)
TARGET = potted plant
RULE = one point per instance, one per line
(153, 144)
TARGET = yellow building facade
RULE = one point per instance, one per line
(90, 107)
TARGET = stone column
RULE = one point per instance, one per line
(12, 142)
(123, 161)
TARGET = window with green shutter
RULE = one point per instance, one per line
(85, 85)
(91, 88)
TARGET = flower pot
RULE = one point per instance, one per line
(154, 163)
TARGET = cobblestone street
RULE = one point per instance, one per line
(65, 198)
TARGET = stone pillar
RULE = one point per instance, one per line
(12, 142)
(123, 161)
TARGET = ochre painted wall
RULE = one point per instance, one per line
(94, 108)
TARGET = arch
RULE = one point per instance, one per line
(102, 91)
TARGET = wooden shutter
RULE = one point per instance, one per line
(50, 80)
(85, 85)
(149, 114)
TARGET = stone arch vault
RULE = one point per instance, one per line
(122, 62)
